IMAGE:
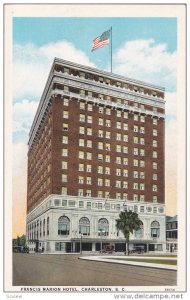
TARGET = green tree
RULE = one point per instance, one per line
(128, 222)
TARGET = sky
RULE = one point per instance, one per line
(142, 48)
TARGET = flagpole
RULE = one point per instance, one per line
(111, 48)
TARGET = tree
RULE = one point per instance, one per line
(128, 222)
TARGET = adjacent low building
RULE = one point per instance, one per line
(96, 147)
(171, 234)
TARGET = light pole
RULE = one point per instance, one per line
(101, 231)
(81, 244)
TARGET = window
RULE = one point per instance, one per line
(80, 193)
(100, 121)
(100, 181)
(81, 130)
(125, 173)
(142, 152)
(118, 137)
(88, 180)
(135, 197)
(154, 165)
(66, 89)
(100, 145)
(101, 110)
(125, 126)
(89, 143)
(107, 146)
(125, 149)
(81, 142)
(63, 226)
(142, 141)
(141, 186)
(107, 158)
(84, 226)
(135, 151)
(125, 161)
(125, 138)
(90, 107)
(65, 102)
(89, 119)
(155, 200)
(100, 194)
(118, 172)
(65, 140)
(154, 176)
(81, 179)
(142, 117)
(103, 227)
(89, 131)
(100, 157)
(108, 135)
(108, 123)
(118, 113)
(142, 163)
(118, 125)
(154, 210)
(107, 170)
(81, 167)
(81, 204)
(65, 127)
(100, 169)
(64, 178)
(142, 175)
(136, 128)
(81, 154)
(136, 117)
(100, 133)
(88, 194)
(141, 209)
(82, 118)
(118, 183)
(135, 163)
(125, 196)
(154, 132)
(64, 152)
(154, 188)
(108, 110)
(135, 186)
(140, 232)
(135, 140)
(154, 154)
(82, 105)
(135, 174)
(88, 155)
(154, 143)
(118, 148)
(65, 114)
(125, 115)
(118, 195)
(118, 160)
(99, 205)
(107, 182)
(155, 229)
(155, 121)
(89, 168)
(125, 184)
(82, 92)
(142, 130)
(64, 165)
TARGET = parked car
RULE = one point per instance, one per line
(137, 249)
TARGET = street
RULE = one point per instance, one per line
(68, 270)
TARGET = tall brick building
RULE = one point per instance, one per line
(96, 147)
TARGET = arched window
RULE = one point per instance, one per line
(84, 226)
(140, 232)
(47, 225)
(103, 227)
(63, 226)
(155, 229)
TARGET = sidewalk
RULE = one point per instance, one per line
(111, 259)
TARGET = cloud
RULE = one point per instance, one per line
(19, 160)
(33, 63)
(23, 115)
(145, 60)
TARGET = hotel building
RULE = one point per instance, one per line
(96, 147)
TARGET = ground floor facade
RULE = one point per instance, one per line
(69, 224)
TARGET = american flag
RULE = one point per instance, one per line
(101, 41)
